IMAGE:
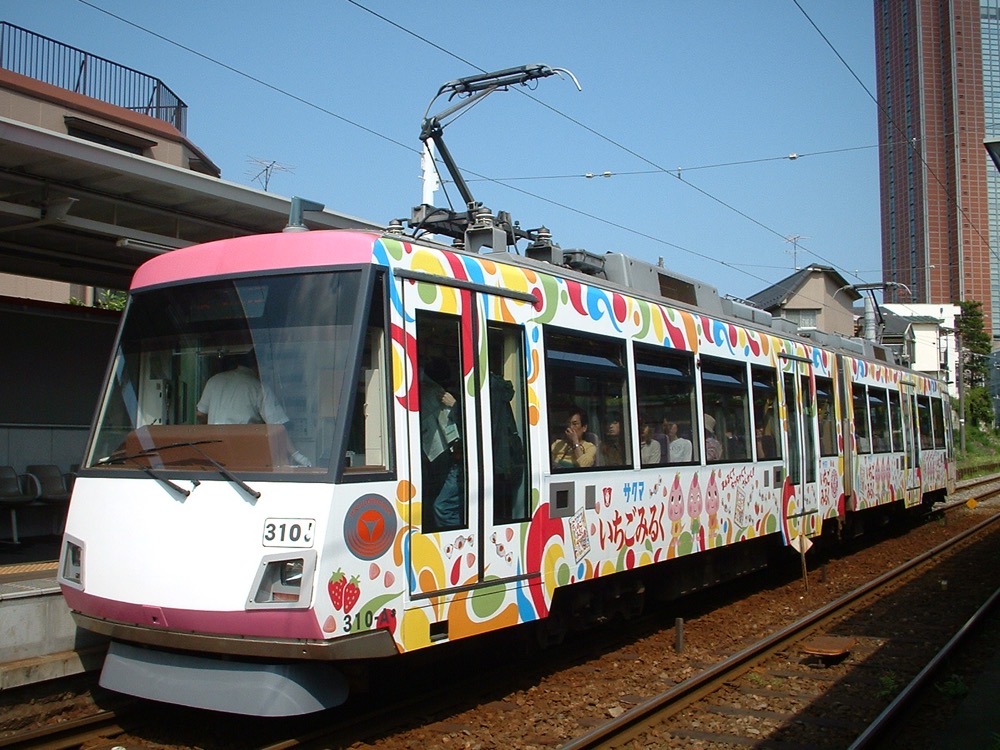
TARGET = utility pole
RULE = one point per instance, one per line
(960, 364)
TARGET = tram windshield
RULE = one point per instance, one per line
(261, 374)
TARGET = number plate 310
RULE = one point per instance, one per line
(288, 532)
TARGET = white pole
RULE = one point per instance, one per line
(431, 182)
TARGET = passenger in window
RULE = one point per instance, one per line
(236, 396)
(571, 450)
(611, 451)
(441, 444)
(713, 448)
(765, 444)
(508, 448)
(649, 448)
(735, 445)
(680, 450)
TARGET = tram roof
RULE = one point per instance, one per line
(314, 249)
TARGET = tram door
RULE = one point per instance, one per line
(801, 456)
(467, 448)
(911, 440)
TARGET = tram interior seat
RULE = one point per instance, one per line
(15, 494)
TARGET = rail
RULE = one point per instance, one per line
(36, 56)
(632, 724)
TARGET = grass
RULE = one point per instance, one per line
(888, 685)
(954, 687)
(982, 452)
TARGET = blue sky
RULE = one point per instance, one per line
(723, 90)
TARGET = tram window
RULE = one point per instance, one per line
(861, 432)
(726, 410)
(586, 376)
(443, 427)
(509, 419)
(794, 435)
(765, 412)
(809, 436)
(665, 393)
(937, 414)
(896, 419)
(924, 420)
(368, 446)
(826, 417)
(296, 335)
(878, 409)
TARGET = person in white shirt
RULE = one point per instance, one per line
(680, 450)
(236, 396)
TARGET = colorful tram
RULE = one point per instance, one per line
(231, 564)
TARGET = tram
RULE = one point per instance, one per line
(449, 441)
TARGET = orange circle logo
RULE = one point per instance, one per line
(369, 527)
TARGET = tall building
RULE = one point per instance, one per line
(938, 75)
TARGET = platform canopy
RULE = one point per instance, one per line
(84, 213)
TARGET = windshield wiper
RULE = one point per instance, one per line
(184, 444)
(131, 459)
(115, 458)
(224, 471)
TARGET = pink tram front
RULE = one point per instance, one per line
(231, 563)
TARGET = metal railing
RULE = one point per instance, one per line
(58, 64)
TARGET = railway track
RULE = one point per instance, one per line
(431, 711)
(806, 667)
(73, 733)
(974, 486)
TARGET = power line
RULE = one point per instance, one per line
(370, 131)
(259, 81)
(598, 134)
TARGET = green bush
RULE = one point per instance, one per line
(982, 450)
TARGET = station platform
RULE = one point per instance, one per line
(38, 638)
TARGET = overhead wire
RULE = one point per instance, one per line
(657, 167)
(389, 139)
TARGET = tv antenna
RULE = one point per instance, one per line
(266, 167)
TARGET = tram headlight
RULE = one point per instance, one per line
(71, 563)
(284, 581)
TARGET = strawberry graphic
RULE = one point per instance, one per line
(336, 586)
(352, 592)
